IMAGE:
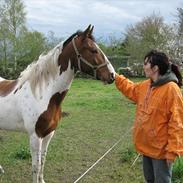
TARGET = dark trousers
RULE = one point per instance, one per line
(156, 170)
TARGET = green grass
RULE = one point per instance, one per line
(178, 170)
(98, 116)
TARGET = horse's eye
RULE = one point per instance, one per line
(94, 51)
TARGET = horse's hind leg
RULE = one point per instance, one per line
(45, 143)
(35, 147)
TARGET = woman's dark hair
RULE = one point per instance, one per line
(162, 61)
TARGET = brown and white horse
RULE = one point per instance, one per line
(32, 102)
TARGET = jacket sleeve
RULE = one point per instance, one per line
(127, 87)
(175, 125)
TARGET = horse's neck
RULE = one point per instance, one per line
(66, 71)
(53, 73)
(64, 80)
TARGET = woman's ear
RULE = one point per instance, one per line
(155, 68)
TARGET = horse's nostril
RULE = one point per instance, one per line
(112, 76)
(111, 79)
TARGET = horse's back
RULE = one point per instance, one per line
(10, 118)
(1, 79)
(7, 86)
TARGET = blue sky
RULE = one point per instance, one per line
(110, 17)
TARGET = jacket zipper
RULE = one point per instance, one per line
(147, 97)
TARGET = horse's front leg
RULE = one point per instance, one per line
(45, 143)
(35, 147)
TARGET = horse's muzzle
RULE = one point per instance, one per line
(111, 78)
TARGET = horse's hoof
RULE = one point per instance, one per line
(41, 181)
(1, 170)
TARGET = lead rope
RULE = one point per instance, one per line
(137, 157)
(104, 156)
(1, 170)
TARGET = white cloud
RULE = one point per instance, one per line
(108, 16)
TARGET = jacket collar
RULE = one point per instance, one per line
(163, 79)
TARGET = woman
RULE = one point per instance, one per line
(158, 126)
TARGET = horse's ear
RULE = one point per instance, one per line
(91, 30)
(86, 33)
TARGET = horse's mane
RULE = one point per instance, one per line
(78, 33)
(39, 72)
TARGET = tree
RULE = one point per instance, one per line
(13, 18)
(180, 21)
(179, 53)
(52, 40)
(150, 33)
(3, 39)
(30, 46)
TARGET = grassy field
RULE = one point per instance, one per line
(98, 117)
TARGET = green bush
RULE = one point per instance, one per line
(128, 154)
(23, 153)
(178, 170)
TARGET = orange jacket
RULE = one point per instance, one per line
(158, 126)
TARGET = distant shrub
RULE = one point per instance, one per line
(126, 71)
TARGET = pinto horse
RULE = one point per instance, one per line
(32, 103)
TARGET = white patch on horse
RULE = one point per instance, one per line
(1, 79)
(109, 65)
(41, 72)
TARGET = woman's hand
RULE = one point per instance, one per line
(116, 74)
(169, 162)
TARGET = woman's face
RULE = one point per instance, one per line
(149, 72)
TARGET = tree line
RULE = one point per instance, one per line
(19, 46)
(150, 33)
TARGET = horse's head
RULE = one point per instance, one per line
(89, 58)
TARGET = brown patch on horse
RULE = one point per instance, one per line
(7, 86)
(63, 62)
(64, 57)
(48, 120)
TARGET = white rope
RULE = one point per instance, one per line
(1, 169)
(135, 160)
(101, 157)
